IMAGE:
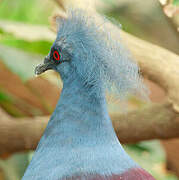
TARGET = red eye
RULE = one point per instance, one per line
(56, 55)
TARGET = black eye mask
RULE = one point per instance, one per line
(56, 55)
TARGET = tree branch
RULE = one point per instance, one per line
(157, 64)
(152, 122)
(20, 134)
(156, 121)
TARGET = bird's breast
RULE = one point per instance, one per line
(131, 174)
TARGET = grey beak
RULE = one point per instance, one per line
(41, 68)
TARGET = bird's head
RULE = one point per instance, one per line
(60, 52)
(85, 50)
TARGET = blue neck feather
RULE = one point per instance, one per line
(79, 137)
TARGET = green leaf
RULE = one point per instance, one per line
(38, 47)
(32, 11)
(176, 2)
(5, 97)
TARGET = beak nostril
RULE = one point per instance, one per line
(39, 69)
(47, 59)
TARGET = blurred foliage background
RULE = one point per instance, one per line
(21, 49)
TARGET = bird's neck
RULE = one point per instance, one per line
(79, 138)
(83, 111)
(80, 132)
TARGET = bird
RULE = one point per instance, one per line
(79, 142)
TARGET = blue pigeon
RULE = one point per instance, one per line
(79, 142)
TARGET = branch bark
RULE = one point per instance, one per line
(20, 134)
(158, 64)
(156, 121)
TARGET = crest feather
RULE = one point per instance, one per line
(97, 57)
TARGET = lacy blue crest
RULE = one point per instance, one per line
(97, 57)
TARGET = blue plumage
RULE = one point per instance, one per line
(79, 138)
(98, 58)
